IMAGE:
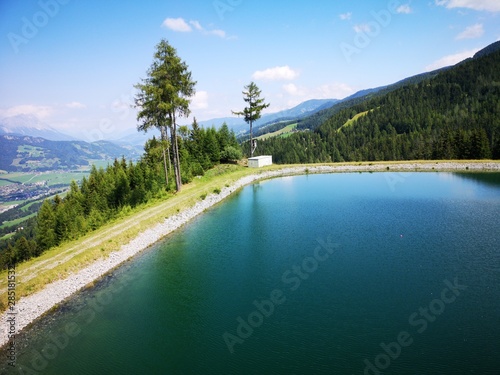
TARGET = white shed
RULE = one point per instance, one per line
(260, 161)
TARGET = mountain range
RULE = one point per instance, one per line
(304, 109)
(28, 143)
(22, 153)
(31, 126)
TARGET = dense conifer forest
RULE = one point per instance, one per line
(455, 115)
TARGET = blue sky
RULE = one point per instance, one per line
(73, 63)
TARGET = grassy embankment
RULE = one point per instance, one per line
(68, 258)
(61, 261)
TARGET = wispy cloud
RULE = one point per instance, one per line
(76, 105)
(486, 5)
(200, 100)
(177, 24)
(181, 25)
(345, 16)
(404, 9)
(333, 91)
(471, 32)
(362, 28)
(38, 111)
(450, 60)
(293, 89)
(326, 91)
(276, 74)
(217, 32)
(196, 25)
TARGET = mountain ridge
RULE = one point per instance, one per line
(29, 125)
(451, 113)
(238, 125)
(22, 153)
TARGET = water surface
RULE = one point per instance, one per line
(325, 271)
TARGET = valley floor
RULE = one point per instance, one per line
(50, 279)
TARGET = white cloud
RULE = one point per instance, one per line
(196, 25)
(487, 5)
(404, 9)
(276, 73)
(180, 25)
(327, 91)
(200, 100)
(334, 91)
(76, 105)
(471, 32)
(219, 33)
(38, 111)
(292, 89)
(345, 16)
(451, 60)
(177, 24)
(362, 28)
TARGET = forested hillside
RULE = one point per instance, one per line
(454, 115)
(25, 153)
(122, 185)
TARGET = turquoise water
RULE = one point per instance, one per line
(378, 273)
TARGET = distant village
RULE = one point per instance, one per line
(22, 192)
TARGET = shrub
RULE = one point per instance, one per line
(230, 153)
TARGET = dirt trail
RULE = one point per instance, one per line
(31, 272)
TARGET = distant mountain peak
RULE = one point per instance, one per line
(22, 120)
(29, 125)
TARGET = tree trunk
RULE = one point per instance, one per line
(169, 158)
(178, 165)
(163, 139)
(251, 140)
(175, 154)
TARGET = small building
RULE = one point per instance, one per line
(260, 161)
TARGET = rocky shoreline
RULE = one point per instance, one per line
(32, 307)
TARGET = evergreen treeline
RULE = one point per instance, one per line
(455, 115)
(122, 185)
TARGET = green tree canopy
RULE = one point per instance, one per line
(163, 96)
(252, 112)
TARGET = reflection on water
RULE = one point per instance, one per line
(492, 179)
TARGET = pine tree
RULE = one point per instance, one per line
(252, 112)
(211, 146)
(24, 249)
(164, 96)
(45, 236)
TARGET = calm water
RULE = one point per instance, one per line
(320, 274)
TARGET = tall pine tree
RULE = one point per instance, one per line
(252, 112)
(164, 96)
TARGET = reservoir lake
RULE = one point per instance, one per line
(350, 273)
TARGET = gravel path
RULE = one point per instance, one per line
(31, 307)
